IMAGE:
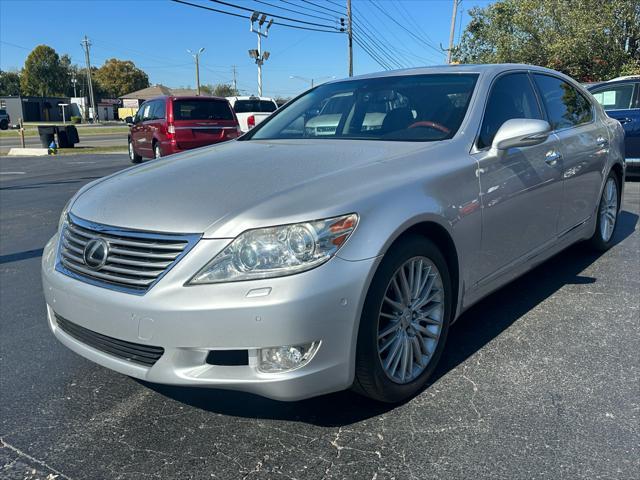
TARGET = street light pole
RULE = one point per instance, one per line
(257, 54)
(196, 57)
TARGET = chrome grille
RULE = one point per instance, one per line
(135, 260)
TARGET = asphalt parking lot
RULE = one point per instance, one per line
(540, 380)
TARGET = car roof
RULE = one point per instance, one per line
(615, 81)
(490, 68)
(187, 97)
(250, 97)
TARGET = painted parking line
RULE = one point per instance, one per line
(12, 173)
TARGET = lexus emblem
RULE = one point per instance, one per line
(95, 253)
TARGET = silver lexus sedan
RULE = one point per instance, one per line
(291, 263)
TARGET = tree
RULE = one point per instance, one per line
(44, 73)
(220, 90)
(119, 77)
(9, 83)
(589, 40)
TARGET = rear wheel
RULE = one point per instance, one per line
(4, 124)
(404, 322)
(608, 209)
(133, 156)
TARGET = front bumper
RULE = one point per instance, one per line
(323, 305)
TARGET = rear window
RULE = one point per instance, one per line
(247, 106)
(201, 110)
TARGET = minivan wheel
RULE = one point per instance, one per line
(4, 124)
(404, 323)
(607, 218)
(133, 156)
(157, 153)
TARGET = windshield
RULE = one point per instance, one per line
(251, 106)
(409, 108)
(202, 110)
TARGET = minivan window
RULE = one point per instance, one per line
(202, 110)
(512, 96)
(565, 105)
(615, 97)
(400, 108)
(158, 110)
(246, 106)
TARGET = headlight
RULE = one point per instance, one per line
(278, 251)
(64, 215)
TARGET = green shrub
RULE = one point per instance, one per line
(76, 119)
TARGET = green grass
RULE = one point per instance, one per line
(82, 131)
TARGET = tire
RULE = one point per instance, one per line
(133, 156)
(4, 124)
(607, 215)
(157, 153)
(380, 335)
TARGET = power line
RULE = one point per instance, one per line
(371, 53)
(390, 17)
(335, 3)
(247, 17)
(333, 19)
(374, 42)
(271, 14)
(411, 20)
(323, 7)
(306, 8)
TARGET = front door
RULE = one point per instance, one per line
(521, 188)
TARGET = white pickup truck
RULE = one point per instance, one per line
(252, 110)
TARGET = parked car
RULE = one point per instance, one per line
(5, 119)
(167, 125)
(620, 98)
(252, 110)
(297, 265)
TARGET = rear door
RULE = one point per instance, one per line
(622, 102)
(203, 121)
(521, 188)
(584, 144)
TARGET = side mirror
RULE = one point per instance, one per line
(521, 132)
(128, 120)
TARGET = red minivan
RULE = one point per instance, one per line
(166, 125)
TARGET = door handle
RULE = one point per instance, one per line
(624, 120)
(551, 158)
(602, 142)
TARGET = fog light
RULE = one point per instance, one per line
(287, 357)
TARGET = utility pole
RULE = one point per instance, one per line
(453, 29)
(235, 79)
(350, 35)
(196, 57)
(86, 44)
(257, 55)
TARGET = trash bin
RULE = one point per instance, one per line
(46, 135)
(72, 135)
(63, 138)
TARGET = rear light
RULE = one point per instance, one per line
(171, 131)
(251, 121)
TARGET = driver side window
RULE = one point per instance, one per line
(512, 96)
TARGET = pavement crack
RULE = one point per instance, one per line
(4, 444)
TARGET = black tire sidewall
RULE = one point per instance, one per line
(4, 125)
(596, 240)
(371, 379)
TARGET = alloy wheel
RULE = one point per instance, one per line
(608, 209)
(410, 320)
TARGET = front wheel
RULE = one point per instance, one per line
(4, 124)
(133, 156)
(607, 219)
(405, 320)
(157, 153)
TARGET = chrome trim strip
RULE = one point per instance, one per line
(190, 241)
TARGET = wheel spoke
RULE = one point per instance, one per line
(404, 284)
(417, 279)
(417, 350)
(404, 361)
(425, 331)
(392, 327)
(397, 306)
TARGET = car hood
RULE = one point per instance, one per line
(221, 191)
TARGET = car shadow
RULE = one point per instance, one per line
(474, 329)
